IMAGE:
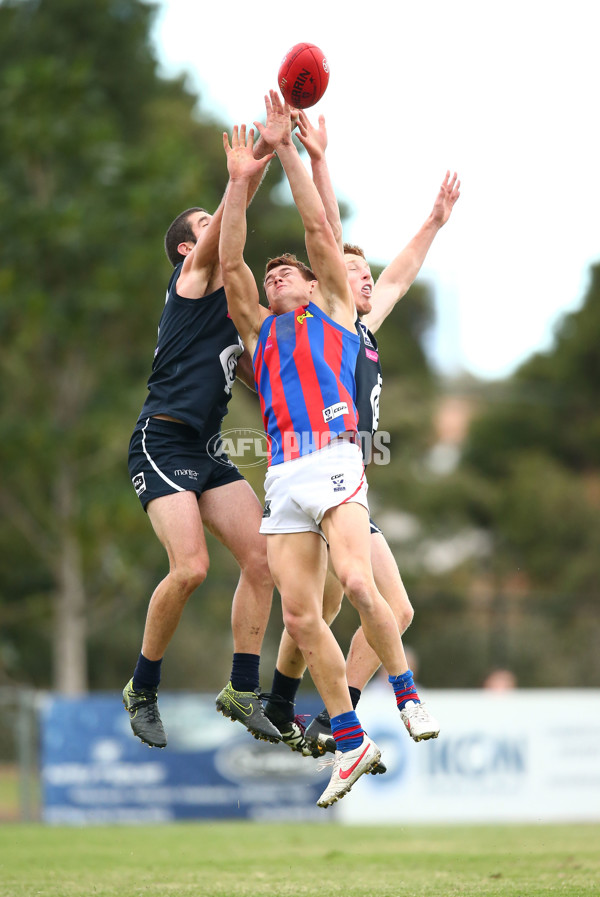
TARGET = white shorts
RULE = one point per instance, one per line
(298, 493)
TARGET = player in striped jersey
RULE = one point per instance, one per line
(304, 349)
(373, 303)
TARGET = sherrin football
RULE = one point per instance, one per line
(303, 75)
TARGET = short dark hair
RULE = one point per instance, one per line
(288, 259)
(180, 231)
(352, 249)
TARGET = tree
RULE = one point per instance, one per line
(538, 446)
(98, 154)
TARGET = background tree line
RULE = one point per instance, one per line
(498, 548)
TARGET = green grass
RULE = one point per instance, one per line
(216, 859)
(9, 793)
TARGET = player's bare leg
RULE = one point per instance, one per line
(177, 522)
(362, 662)
(298, 562)
(178, 525)
(289, 669)
(232, 513)
(347, 530)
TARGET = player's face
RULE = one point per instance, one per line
(361, 282)
(286, 288)
(198, 222)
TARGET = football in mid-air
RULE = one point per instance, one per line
(303, 75)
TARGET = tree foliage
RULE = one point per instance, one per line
(98, 154)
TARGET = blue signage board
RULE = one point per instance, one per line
(94, 770)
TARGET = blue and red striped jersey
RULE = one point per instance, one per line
(304, 367)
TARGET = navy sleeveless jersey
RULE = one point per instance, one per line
(368, 387)
(195, 360)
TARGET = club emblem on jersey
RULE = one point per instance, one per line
(367, 338)
(229, 359)
(337, 481)
(334, 411)
(301, 318)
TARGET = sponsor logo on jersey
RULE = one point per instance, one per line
(371, 354)
(335, 411)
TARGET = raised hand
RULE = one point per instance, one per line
(444, 203)
(314, 140)
(278, 126)
(240, 158)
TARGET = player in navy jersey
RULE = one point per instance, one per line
(304, 351)
(184, 488)
(373, 303)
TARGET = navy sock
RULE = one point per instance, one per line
(285, 686)
(280, 705)
(347, 731)
(244, 672)
(404, 689)
(146, 675)
(354, 695)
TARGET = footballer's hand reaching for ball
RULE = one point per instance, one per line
(279, 121)
(241, 163)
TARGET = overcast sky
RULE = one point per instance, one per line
(505, 94)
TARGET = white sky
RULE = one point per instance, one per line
(505, 94)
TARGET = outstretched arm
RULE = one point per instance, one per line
(323, 253)
(200, 273)
(394, 281)
(240, 287)
(267, 139)
(314, 141)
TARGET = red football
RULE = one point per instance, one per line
(303, 76)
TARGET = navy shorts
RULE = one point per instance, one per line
(374, 527)
(166, 457)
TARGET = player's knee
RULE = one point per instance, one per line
(405, 617)
(256, 570)
(190, 575)
(300, 626)
(358, 585)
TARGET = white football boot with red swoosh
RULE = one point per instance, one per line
(347, 768)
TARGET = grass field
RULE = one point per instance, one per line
(215, 859)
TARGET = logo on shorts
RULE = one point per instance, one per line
(192, 474)
(267, 510)
(139, 483)
(334, 411)
(337, 481)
